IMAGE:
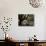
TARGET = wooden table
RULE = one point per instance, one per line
(28, 43)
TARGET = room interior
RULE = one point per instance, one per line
(13, 30)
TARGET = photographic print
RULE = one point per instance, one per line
(25, 19)
(36, 3)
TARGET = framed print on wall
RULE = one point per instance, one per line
(25, 19)
(36, 3)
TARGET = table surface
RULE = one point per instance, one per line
(26, 41)
(2, 40)
(40, 41)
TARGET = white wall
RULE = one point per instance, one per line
(11, 8)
